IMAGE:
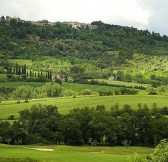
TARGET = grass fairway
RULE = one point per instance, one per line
(72, 154)
(65, 104)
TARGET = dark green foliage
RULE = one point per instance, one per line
(18, 160)
(103, 93)
(159, 155)
(95, 82)
(94, 126)
(11, 117)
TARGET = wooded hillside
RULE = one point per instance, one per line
(105, 44)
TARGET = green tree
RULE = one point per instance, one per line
(71, 132)
(160, 154)
(24, 92)
(51, 89)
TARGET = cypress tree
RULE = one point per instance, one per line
(16, 69)
(48, 74)
(19, 71)
(38, 73)
(25, 69)
(30, 73)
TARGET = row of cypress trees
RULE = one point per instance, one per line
(24, 72)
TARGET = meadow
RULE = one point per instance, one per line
(73, 86)
(17, 84)
(79, 87)
(70, 153)
(121, 83)
(65, 104)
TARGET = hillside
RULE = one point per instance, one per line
(71, 83)
(98, 50)
(24, 39)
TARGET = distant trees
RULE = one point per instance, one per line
(77, 72)
(22, 73)
(51, 89)
(28, 92)
(24, 92)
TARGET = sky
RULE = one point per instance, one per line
(141, 14)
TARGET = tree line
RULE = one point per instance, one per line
(54, 89)
(88, 126)
(16, 71)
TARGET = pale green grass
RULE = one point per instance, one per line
(122, 83)
(95, 88)
(17, 84)
(21, 61)
(66, 104)
(73, 154)
(73, 86)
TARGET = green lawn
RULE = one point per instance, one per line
(65, 104)
(72, 154)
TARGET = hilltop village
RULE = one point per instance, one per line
(73, 24)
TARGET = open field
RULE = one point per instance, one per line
(17, 84)
(122, 83)
(79, 87)
(8, 108)
(71, 154)
(73, 86)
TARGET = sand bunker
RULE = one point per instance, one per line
(43, 149)
(40, 149)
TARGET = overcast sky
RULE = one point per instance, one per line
(142, 14)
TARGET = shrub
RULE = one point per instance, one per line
(160, 154)
(18, 102)
(68, 92)
(52, 89)
(105, 93)
(87, 92)
(151, 91)
(11, 117)
(26, 101)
